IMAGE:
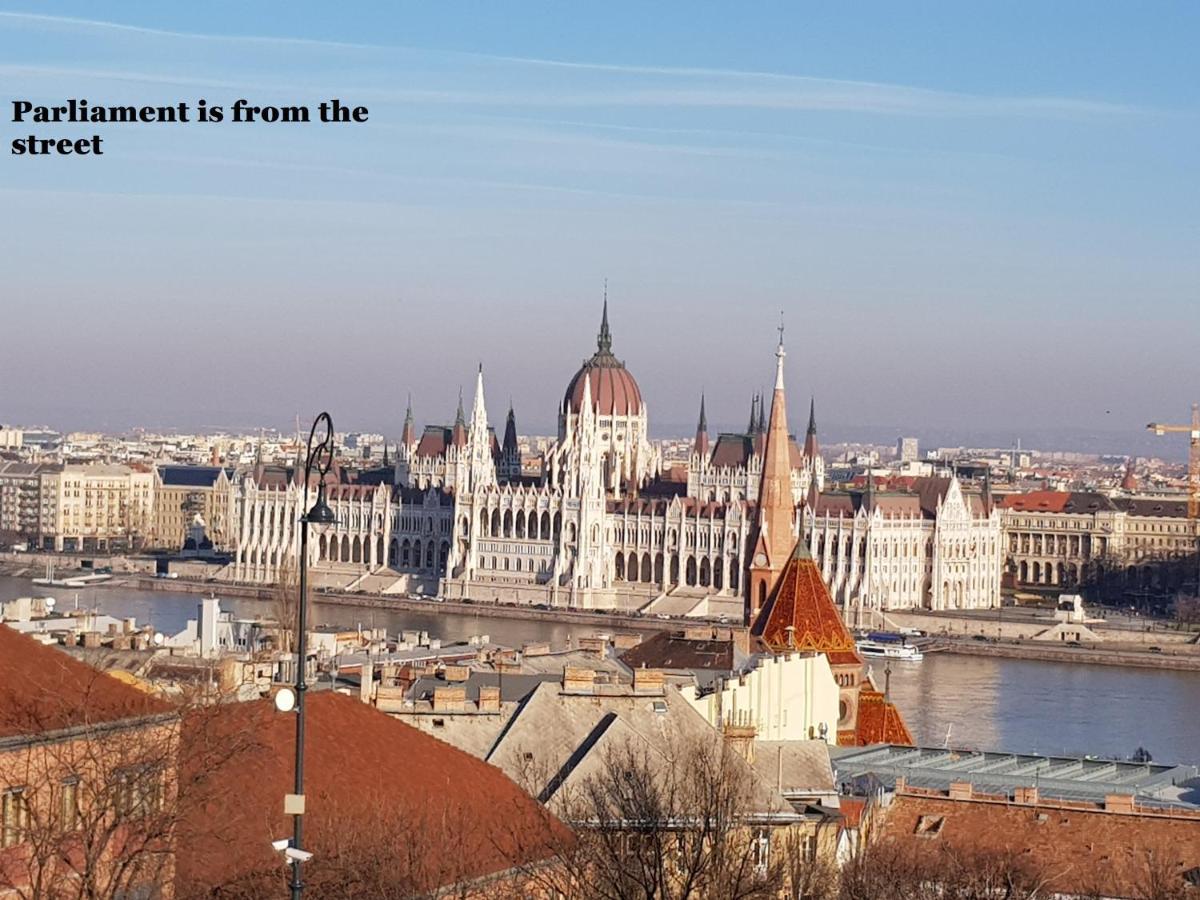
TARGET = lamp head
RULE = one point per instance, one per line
(320, 514)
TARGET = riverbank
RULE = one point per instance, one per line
(1098, 656)
(391, 602)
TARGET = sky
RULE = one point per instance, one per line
(979, 220)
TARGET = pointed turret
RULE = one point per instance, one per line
(810, 437)
(869, 497)
(700, 445)
(458, 437)
(510, 432)
(752, 428)
(408, 436)
(386, 463)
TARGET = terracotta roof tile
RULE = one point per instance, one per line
(879, 722)
(44, 689)
(1079, 851)
(801, 601)
(422, 798)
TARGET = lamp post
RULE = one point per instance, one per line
(320, 458)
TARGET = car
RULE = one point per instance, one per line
(1155, 649)
(979, 637)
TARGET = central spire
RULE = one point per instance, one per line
(604, 339)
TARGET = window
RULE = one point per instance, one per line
(929, 826)
(69, 804)
(762, 851)
(139, 792)
(14, 817)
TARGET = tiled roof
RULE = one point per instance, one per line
(1077, 851)
(801, 601)
(879, 722)
(1175, 507)
(189, 476)
(665, 650)
(452, 810)
(1058, 502)
(44, 689)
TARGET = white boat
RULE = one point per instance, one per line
(888, 650)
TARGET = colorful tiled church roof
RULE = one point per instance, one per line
(800, 615)
(879, 722)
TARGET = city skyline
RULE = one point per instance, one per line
(959, 249)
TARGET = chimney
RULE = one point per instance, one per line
(697, 633)
(577, 680)
(91, 639)
(648, 681)
(489, 699)
(449, 699)
(1026, 795)
(457, 673)
(366, 682)
(960, 790)
(540, 649)
(625, 641)
(740, 739)
(594, 646)
(1119, 803)
(901, 784)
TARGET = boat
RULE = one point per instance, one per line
(889, 650)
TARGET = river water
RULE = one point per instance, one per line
(967, 701)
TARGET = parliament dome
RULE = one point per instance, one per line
(614, 390)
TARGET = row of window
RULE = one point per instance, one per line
(137, 793)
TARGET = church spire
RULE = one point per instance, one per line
(700, 446)
(776, 509)
(753, 426)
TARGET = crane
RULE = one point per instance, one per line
(1193, 431)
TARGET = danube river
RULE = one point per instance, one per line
(968, 701)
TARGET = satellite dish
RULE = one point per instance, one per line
(285, 700)
(158, 639)
(50, 601)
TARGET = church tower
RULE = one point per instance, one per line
(776, 508)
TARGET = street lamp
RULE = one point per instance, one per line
(319, 459)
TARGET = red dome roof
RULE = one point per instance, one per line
(614, 390)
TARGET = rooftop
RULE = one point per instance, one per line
(1060, 777)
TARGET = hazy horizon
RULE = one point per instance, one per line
(976, 221)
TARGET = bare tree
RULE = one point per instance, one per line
(655, 826)
(92, 808)
(285, 605)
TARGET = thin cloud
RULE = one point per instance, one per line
(741, 89)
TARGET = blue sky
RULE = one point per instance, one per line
(978, 218)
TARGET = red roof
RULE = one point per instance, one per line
(43, 688)
(373, 785)
(879, 722)
(800, 614)
(1066, 848)
(614, 390)
(1037, 501)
